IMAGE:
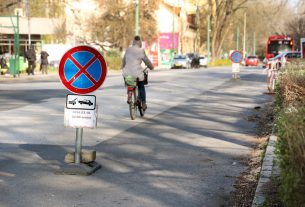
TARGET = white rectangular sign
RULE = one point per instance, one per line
(80, 118)
(85, 102)
(235, 68)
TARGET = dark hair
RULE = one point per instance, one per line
(137, 38)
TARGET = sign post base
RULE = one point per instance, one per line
(79, 169)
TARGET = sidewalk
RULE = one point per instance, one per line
(50, 76)
(25, 77)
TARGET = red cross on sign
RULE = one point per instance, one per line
(82, 69)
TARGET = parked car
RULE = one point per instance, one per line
(54, 63)
(194, 59)
(203, 61)
(282, 59)
(181, 61)
(251, 60)
(191, 55)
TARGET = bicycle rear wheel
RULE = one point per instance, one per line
(132, 106)
(140, 108)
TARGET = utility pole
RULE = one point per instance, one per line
(254, 43)
(29, 20)
(245, 27)
(137, 17)
(208, 38)
(17, 46)
(237, 39)
(173, 31)
(197, 40)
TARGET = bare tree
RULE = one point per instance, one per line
(222, 15)
(264, 17)
(116, 25)
(297, 28)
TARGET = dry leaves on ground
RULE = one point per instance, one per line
(246, 183)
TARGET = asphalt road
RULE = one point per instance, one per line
(187, 151)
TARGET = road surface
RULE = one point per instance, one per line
(188, 150)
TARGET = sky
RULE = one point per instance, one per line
(293, 3)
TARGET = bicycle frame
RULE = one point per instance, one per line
(133, 101)
(131, 90)
(132, 95)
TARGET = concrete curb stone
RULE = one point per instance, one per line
(266, 173)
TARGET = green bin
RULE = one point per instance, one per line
(12, 69)
(13, 66)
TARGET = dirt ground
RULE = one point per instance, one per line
(245, 185)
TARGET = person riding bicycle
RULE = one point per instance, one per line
(131, 65)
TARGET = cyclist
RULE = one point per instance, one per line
(131, 65)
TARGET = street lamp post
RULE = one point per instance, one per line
(245, 27)
(208, 37)
(254, 43)
(29, 21)
(137, 17)
(173, 32)
(237, 39)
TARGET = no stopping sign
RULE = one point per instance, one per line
(82, 69)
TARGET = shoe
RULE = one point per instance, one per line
(144, 106)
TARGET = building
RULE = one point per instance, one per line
(177, 28)
(178, 31)
(29, 31)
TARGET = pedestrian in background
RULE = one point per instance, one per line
(3, 63)
(31, 57)
(44, 62)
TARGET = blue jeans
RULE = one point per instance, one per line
(141, 90)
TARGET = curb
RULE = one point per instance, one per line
(266, 172)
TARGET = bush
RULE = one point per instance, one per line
(220, 62)
(113, 60)
(290, 128)
(113, 63)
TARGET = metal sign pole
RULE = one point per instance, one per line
(78, 145)
(81, 110)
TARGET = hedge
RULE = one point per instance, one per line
(290, 129)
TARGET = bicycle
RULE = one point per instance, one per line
(133, 99)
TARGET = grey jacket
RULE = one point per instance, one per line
(132, 60)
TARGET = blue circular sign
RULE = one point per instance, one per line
(236, 56)
(82, 69)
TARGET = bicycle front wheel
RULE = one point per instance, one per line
(132, 106)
